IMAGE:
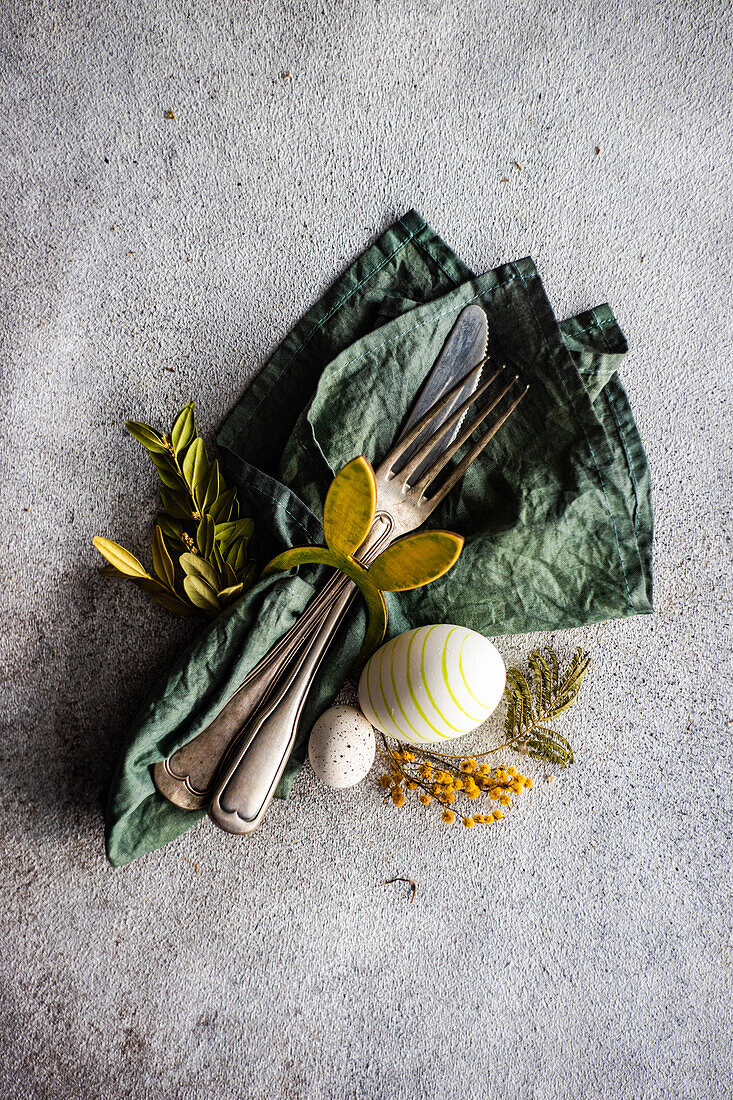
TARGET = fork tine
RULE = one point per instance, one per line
(472, 455)
(430, 475)
(421, 454)
(397, 452)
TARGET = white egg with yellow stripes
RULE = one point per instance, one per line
(432, 684)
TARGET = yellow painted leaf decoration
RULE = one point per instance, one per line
(415, 560)
(348, 515)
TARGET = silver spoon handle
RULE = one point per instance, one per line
(248, 780)
(186, 777)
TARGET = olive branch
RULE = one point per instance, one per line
(200, 526)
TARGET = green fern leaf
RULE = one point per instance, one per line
(522, 687)
(511, 716)
(542, 678)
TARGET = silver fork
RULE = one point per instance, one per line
(186, 776)
(256, 761)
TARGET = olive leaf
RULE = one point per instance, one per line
(173, 528)
(348, 512)
(201, 594)
(226, 533)
(415, 560)
(228, 576)
(213, 487)
(166, 471)
(196, 469)
(195, 566)
(184, 429)
(188, 533)
(222, 510)
(205, 536)
(124, 562)
(228, 595)
(175, 503)
(146, 435)
(162, 561)
(236, 555)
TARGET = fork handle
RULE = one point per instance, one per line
(248, 779)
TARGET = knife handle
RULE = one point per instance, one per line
(249, 777)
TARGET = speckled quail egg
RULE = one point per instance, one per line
(341, 747)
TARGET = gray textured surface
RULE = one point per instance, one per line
(582, 949)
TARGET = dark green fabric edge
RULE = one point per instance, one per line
(602, 321)
(190, 704)
(299, 360)
(598, 441)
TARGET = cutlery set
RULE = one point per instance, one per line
(233, 766)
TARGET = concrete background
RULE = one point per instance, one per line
(582, 949)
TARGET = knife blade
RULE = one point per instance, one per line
(464, 347)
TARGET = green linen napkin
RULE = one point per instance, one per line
(556, 513)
